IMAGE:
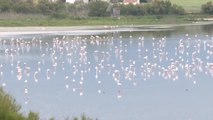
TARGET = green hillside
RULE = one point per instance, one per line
(190, 5)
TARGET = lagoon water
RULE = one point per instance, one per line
(111, 74)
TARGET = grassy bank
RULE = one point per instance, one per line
(59, 14)
(193, 6)
(30, 20)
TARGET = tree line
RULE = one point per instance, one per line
(207, 8)
(61, 9)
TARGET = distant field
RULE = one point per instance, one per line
(191, 5)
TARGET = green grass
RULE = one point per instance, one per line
(130, 20)
(14, 19)
(22, 20)
(190, 5)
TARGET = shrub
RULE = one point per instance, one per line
(45, 7)
(128, 9)
(24, 7)
(33, 116)
(78, 9)
(153, 8)
(144, 1)
(59, 15)
(179, 10)
(9, 110)
(207, 8)
(94, 9)
(98, 9)
(5, 5)
(163, 8)
(131, 9)
(160, 7)
(141, 9)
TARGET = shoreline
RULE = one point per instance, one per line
(76, 29)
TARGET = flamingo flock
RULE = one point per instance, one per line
(119, 59)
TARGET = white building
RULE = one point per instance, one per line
(52, 0)
(70, 1)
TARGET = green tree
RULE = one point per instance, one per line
(163, 8)
(9, 110)
(179, 10)
(207, 8)
(78, 9)
(5, 5)
(45, 7)
(24, 7)
(98, 9)
(33, 116)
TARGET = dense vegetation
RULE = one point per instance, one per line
(61, 9)
(207, 8)
(80, 9)
(45, 13)
(10, 110)
(155, 8)
(190, 6)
